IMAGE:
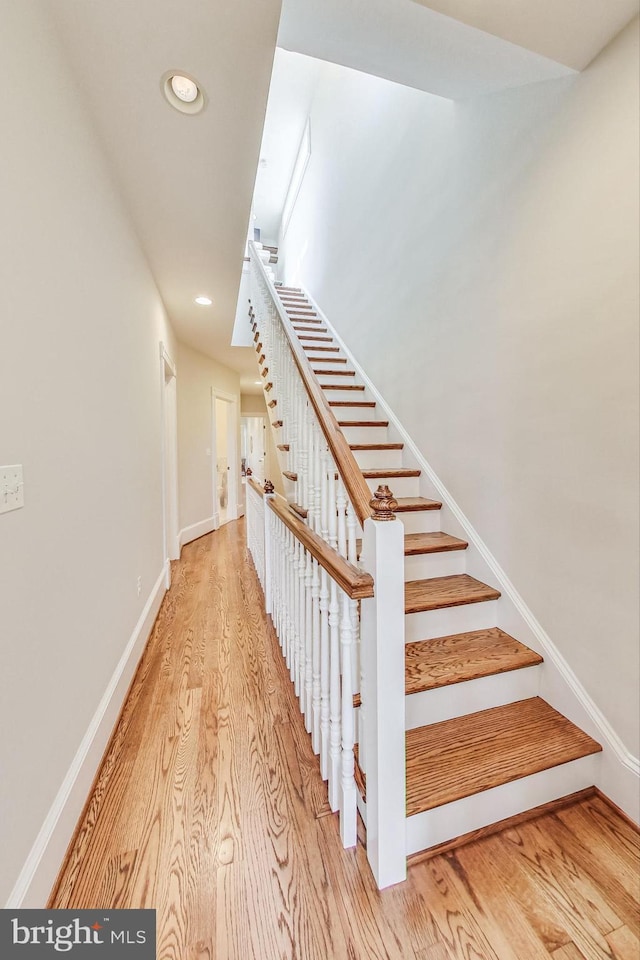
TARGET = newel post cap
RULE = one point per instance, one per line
(383, 504)
(269, 487)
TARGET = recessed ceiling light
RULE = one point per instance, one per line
(257, 383)
(204, 301)
(183, 91)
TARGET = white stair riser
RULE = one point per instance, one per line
(441, 623)
(420, 521)
(400, 486)
(335, 377)
(429, 565)
(352, 412)
(378, 458)
(459, 699)
(343, 395)
(453, 820)
(362, 434)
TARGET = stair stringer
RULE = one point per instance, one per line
(616, 772)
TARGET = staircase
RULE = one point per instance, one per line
(481, 746)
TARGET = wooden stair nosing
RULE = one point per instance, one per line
(352, 403)
(321, 339)
(276, 423)
(335, 373)
(436, 593)
(302, 513)
(290, 475)
(363, 423)
(467, 755)
(416, 504)
(272, 404)
(342, 386)
(309, 346)
(418, 544)
(268, 387)
(284, 447)
(309, 329)
(382, 473)
(376, 446)
(326, 359)
(431, 664)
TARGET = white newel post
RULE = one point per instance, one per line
(268, 572)
(382, 647)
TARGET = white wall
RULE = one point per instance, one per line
(481, 259)
(80, 408)
(197, 376)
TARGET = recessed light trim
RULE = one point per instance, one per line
(204, 301)
(183, 92)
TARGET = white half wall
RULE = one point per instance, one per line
(80, 408)
(480, 260)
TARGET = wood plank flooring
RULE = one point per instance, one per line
(210, 808)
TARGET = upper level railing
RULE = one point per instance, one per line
(286, 346)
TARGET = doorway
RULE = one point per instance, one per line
(169, 461)
(225, 472)
(253, 446)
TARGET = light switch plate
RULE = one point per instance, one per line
(11, 488)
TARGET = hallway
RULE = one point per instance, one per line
(210, 808)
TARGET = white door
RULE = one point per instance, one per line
(225, 472)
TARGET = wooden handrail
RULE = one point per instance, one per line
(355, 582)
(256, 486)
(356, 485)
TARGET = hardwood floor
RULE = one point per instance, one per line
(210, 808)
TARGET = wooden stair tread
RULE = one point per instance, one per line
(343, 386)
(272, 404)
(416, 504)
(416, 544)
(306, 329)
(322, 339)
(430, 664)
(310, 346)
(290, 475)
(376, 446)
(283, 446)
(276, 423)
(458, 758)
(336, 373)
(326, 359)
(352, 403)
(363, 423)
(438, 592)
(380, 473)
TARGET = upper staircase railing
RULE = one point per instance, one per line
(337, 602)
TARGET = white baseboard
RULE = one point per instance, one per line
(619, 771)
(41, 868)
(195, 530)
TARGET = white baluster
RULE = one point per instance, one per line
(335, 706)
(348, 808)
(315, 648)
(308, 642)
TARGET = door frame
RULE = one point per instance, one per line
(233, 459)
(169, 413)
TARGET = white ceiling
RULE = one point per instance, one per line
(187, 181)
(572, 32)
(408, 43)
